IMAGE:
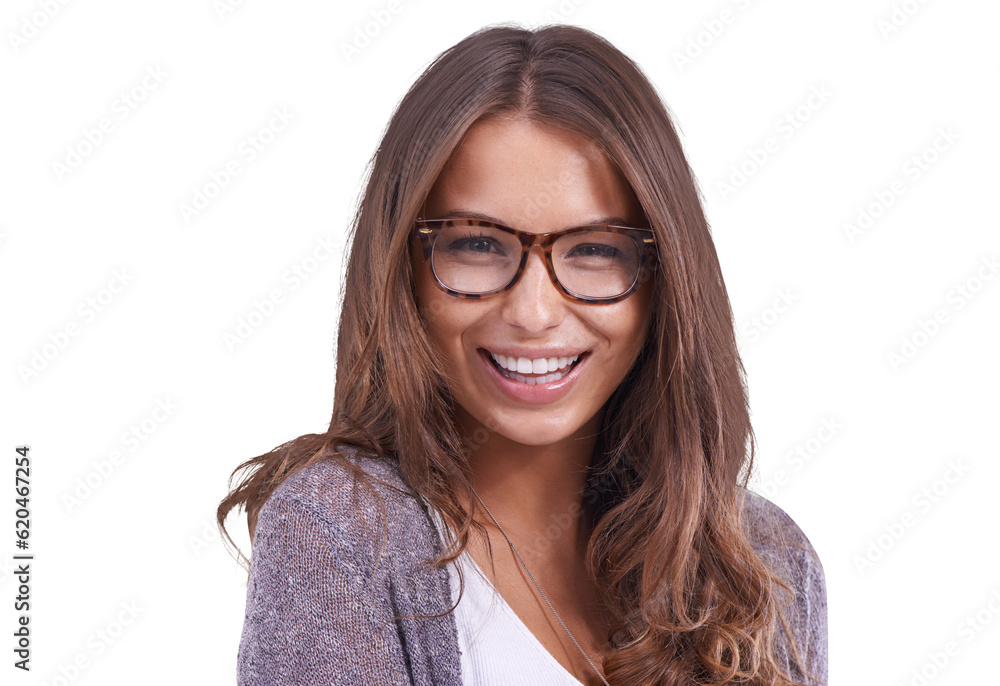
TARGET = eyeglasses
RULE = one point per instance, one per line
(471, 258)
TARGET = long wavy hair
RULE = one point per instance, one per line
(691, 600)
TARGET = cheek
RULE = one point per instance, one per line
(443, 317)
(430, 306)
(643, 304)
(631, 325)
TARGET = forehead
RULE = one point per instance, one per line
(531, 176)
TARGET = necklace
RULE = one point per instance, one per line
(539, 589)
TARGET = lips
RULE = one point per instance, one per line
(523, 390)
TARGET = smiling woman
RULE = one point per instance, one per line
(501, 162)
(535, 471)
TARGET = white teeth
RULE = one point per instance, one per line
(532, 380)
(526, 365)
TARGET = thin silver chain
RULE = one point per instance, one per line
(539, 588)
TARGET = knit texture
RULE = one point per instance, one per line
(330, 570)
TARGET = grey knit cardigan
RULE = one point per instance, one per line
(328, 576)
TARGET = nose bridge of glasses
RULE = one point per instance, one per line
(534, 300)
(537, 247)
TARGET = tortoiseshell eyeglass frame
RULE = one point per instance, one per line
(427, 231)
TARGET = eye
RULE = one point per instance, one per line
(593, 250)
(480, 243)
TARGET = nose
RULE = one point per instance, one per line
(534, 303)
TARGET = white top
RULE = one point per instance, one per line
(498, 649)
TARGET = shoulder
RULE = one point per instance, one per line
(772, 530)
(786, 549)
(352, 482)
(355, 497)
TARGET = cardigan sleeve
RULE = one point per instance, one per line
(806, 616)
(786, 549)
(316, 606)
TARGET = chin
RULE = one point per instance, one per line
(536, 431)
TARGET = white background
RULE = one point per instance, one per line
(905, 567)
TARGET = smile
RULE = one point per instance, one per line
(542, 370)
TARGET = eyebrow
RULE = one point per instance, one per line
(467, 214)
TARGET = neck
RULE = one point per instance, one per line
(534, 491)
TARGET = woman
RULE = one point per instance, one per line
(536, 464)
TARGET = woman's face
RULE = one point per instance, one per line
(514, 172)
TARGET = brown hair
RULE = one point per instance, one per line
(692, 601)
